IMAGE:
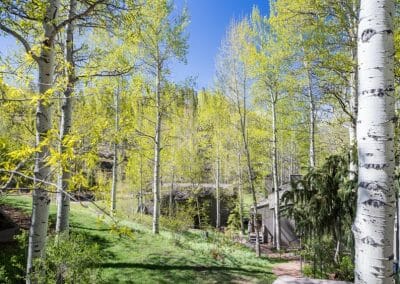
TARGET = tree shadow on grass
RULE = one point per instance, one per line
(91, 237)
(195, 235)
(153, 266)
(75, 226)
(166, 273)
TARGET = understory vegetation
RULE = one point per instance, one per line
(137, 171)
(98, 251)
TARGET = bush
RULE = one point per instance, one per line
(234, 218)
(345, 270)
(13, 260)
(319, 256)
(75, 260)
(180, 222)
(310, 271)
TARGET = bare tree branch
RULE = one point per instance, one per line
(76, 17)
(21, 39)
(10, 179)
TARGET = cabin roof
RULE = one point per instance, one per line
(269, 201)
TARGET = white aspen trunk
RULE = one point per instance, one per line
(353, 97)
(114, 179)
(254, 197)
(157, 150)
(291, 168)
(170, 194)
(251, 176)
(353, 126)
(40, 198)
(198, 211)
(277, 235)
(311, 103)
(242, 110)
(217, 195)
(115, 156)
(396, 233)
(397, 230)
(62, 224)
(240, 195)
(280, 166)
(373, 226)
(338, 234)
(141, 205)
(312, 121)
(273, 229)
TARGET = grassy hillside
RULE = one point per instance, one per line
(133, 255)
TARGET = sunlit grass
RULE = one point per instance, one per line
(188, 257)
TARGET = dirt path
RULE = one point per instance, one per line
(291, 268)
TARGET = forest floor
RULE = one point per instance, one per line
(288, 262)
(141, 257)
(290, 268)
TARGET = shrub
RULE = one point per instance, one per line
(13, 260)
(234, 218)
(75, 260)
(180, 222)
(345, 270)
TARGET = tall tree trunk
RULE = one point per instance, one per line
(40, 198)
(170, 208)
(254, 199)
(277, 236)
(396, 230)
(115, 155)
(312, 120)
(353, 96)
(240, 175)
(217, 195)
(62, 224)
(280, 165)
(373, 226)
(198, 211)
(397, 233)
(354, 111)
(338, 238)
(157, 151)
(141, 204)
(243, 129)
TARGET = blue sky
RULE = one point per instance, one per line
(209, 20)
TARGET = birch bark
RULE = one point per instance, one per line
(312, 119)
(353, 92)
(115, 155)
(242, 109)
(277, 235)
(240, 194)
(217, 193)
(157, 151)
(373, 226)
(40, 198)
(354, 111)
(62, 224)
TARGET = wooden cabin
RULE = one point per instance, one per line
(266, 220)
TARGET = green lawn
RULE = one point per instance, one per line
(189, 257)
